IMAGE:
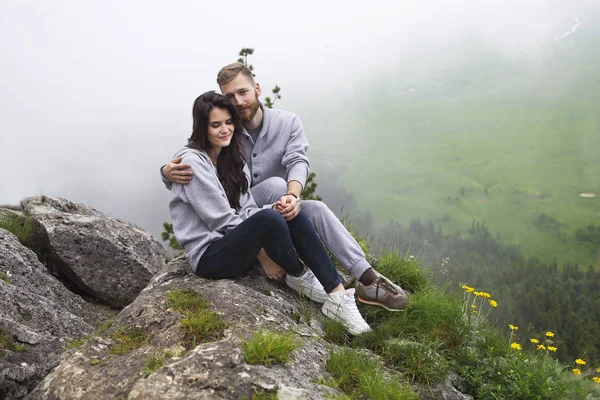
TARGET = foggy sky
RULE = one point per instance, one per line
(96, 96)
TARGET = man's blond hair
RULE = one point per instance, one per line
(231, 71)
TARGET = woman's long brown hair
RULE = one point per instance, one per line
(230, 164)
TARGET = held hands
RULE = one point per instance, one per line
(176, 172)
(288, 206)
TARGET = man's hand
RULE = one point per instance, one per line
(176, 172)
(288, 206)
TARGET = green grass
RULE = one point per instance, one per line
(95, 361)
(78, 342)
(263, 395)
(154, 364)
(127, 339)
(359, 375)
(20, 226)
(7, 343)
(336, 333)
(5, 277)
(268, 347)
(518, 145)
(200, 323)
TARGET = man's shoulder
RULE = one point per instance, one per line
(282, 115)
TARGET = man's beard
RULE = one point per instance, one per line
(248, 112)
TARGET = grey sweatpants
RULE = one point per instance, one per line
(331, 231)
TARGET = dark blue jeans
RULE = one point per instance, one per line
(232, 255)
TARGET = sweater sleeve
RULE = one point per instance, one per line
(248, 206)
(294, 158)
(205, 195)
(165, 181)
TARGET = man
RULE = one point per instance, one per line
(275, 148)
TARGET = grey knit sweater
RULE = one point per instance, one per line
(200, 210)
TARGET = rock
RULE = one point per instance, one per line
(106, 258)
(36, 238)
(38, 314)
(445, 390)
(213, 370)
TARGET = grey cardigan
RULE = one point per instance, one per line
(200, 210)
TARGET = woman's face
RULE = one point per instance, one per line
(220, 128)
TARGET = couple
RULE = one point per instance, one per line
(236, 197)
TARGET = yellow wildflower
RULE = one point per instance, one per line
(493, 303)
(598, 370)
(552, 348)
(549, 334)
(473, 306)
(534, 341)
(516, 346)
(486, 295)
(478, 294)
(577, 371)
(596, 379)
(579, 361)
(513, 328)
(541, 347)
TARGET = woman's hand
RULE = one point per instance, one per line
(270, 267)
(288, 206)
(176, 172)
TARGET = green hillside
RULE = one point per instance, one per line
(509, 143)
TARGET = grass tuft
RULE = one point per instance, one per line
(7, 343)
(199, 322)
(19, 225)
(419, 361)
(127, 338)
(5, 277)
(263, 395)
(407, 273)
(268, 347)
(154, 364)
(95, 361)
(358, 375)
(336, 333)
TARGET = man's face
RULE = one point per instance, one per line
(244, 95)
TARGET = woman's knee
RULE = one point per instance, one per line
(271, 217)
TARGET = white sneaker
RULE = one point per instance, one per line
(308, 285)
(342, 308)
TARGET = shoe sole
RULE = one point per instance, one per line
(375, 303)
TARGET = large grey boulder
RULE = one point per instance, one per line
(38, 316)
(213, 370)
(109, 259)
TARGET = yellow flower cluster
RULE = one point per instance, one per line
(534, 341)
(493, 303)
(513, 328)
(549, 334)
(577, 371)
(598, 370)
(515, 346)
(552, 348)
(483, 294)
(468, 289)
(579, 361)
(596, 379)
(541, 347)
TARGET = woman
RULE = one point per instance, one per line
(218, 224)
